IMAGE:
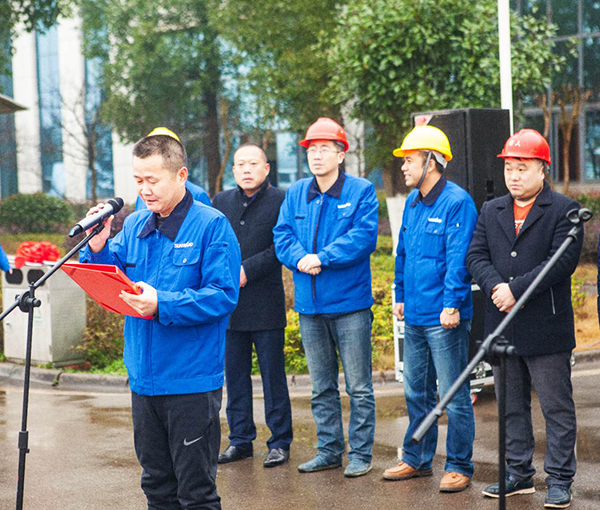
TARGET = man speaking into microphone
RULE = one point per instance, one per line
(185, 258)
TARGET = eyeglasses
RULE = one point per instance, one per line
(325, 151)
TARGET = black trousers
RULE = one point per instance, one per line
(177, 440)
(238, 367)
(550, 375)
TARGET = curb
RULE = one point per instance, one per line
(119, 383)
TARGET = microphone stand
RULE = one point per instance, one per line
(26, 302)
(498, 348)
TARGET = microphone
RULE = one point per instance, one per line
(112, 206)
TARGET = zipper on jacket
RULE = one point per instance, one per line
(552, 297)
(314, 277)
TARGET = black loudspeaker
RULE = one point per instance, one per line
(476, 137)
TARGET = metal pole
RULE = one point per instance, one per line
(24, 434)
(27, 302)
(506, 96)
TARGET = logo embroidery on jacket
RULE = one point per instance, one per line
(184, 245)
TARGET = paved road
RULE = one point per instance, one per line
(82, 457)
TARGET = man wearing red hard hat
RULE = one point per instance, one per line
(515, 237)
(325, 234)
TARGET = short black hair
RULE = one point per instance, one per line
(172, 151)
(262, 151)
(438, 166)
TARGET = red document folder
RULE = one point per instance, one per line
(104, 283)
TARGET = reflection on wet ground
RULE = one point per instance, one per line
(82, 457)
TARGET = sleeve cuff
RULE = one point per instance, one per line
(323, 258)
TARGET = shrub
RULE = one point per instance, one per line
(591, 201)
(37, 212)
(103, 342)
(577, 295)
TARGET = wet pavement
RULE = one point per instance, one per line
(82, 456)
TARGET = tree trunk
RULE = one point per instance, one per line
(212, 144)
(566, 149)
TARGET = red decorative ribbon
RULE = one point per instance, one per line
(31, 251)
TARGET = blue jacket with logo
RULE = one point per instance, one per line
(340, 226)
(431, 271)
(193, 261)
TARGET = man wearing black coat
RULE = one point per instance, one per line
(515, 237)
(259, 319)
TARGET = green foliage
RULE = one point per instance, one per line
(383, 208)
(35, 212)
(103, 342)
(274, 41)
(395, 57)
(589, 200)
(591, 231)
(161, 63)
(577, 295)
(295, 359)
(29, 15)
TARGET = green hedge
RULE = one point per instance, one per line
(590, 200)
(36, 212)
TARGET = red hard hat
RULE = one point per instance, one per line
(527, 143)
(325, 129)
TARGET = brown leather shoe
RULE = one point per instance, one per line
(403, 472)
(454, 482)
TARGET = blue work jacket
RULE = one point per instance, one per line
(4, 264)
(340, 226)
(431, 271)
(193, 261)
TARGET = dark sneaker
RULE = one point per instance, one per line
(319, 463)
(514, 486)
(558, 497)
(357, 468)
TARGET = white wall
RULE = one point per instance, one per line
(72, 89)
(27, 123)
(122, 159)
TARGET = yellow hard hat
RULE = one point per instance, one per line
(425, 138)
(163, 131)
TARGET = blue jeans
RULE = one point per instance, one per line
(323, 337)
(238, 368)
(430, 353)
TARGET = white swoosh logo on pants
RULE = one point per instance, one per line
(187, 443)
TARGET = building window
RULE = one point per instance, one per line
(8, 145)
(592, 146)
(53, 175)
(99, 133)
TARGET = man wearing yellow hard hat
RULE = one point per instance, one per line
(197, 192)
(186, 259)
(433, 297)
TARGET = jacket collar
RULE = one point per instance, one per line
(335, 191)
(433, 194)
(506, 214)
(261, 191)
(172, 223)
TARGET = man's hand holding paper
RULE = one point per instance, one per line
(146, 303)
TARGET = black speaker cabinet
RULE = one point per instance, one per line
(476, 137)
